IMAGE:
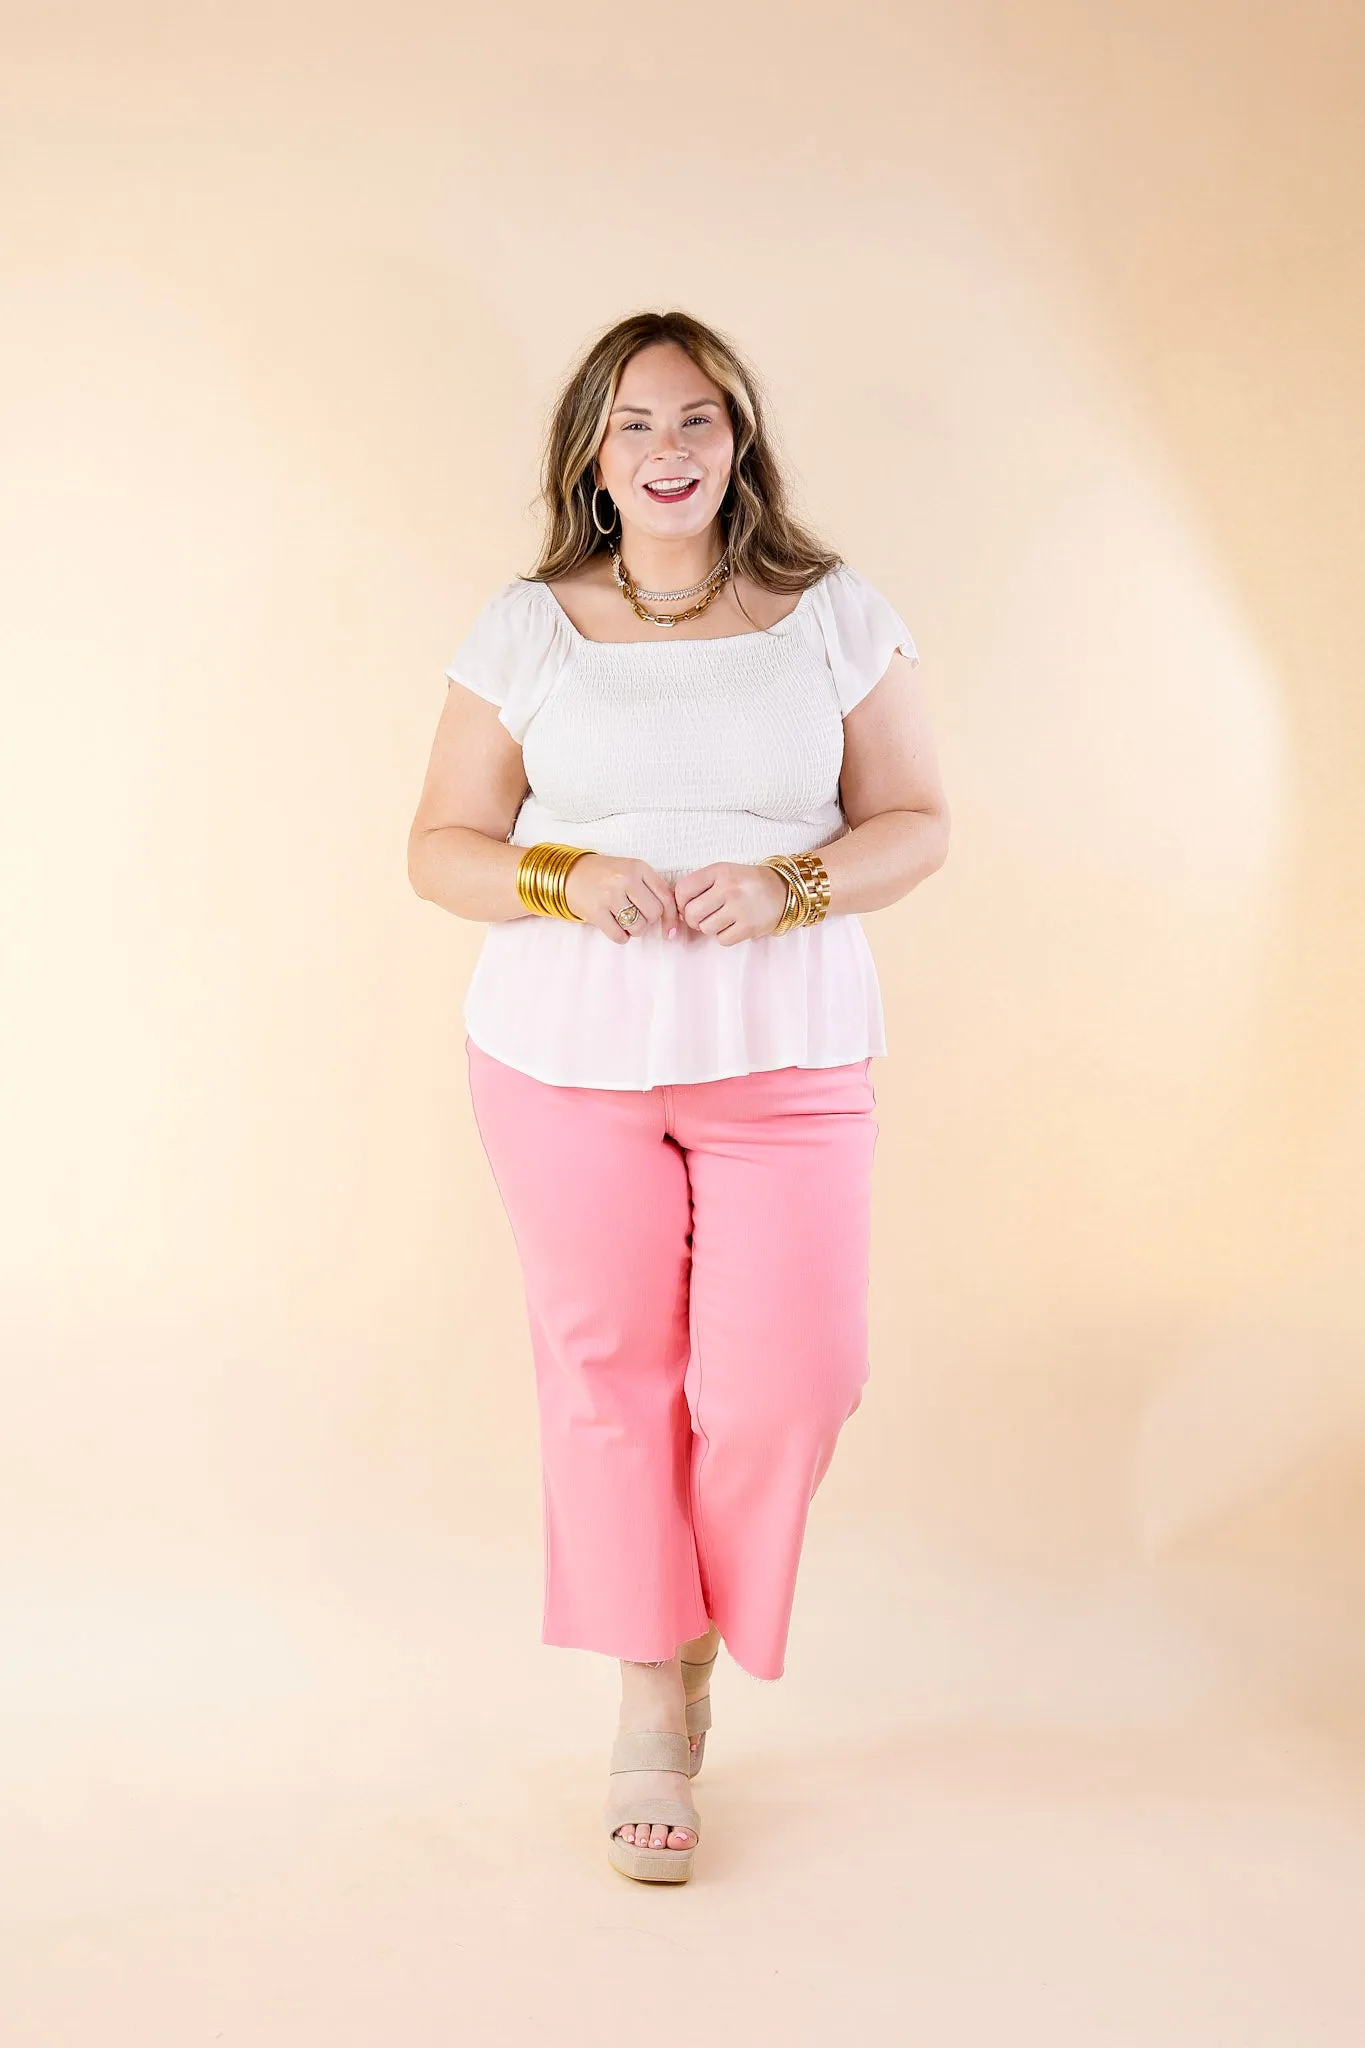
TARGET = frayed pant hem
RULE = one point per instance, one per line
(632, 1656)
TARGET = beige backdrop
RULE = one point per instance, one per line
(1061, 313)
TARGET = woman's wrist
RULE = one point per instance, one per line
(542, 878)
(808, 893)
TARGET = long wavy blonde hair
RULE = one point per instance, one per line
(766, 543)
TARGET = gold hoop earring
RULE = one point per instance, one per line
(595, 520)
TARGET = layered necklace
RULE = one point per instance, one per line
(706, 592)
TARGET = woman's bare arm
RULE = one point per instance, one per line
(892, 796)
(458, 851)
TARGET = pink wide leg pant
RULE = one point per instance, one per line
(696, 1266)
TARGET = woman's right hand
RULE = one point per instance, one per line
(600, 884)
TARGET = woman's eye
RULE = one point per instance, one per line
(701, 419)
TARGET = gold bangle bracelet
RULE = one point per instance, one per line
(817, 877)
(797, 901)
(808, 891)
(794, 908)
(542, 876)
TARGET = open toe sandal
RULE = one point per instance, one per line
(698, 1709)
(651, 1750)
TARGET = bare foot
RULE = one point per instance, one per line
(652, 1697)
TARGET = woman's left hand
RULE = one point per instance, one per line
(729, 901)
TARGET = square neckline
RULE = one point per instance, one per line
(693, 640)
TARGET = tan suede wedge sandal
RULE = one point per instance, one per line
(698, 1708)
(650, 1750)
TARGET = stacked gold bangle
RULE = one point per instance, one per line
(807, 889)
(542, 873)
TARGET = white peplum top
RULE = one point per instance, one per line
(678, 752)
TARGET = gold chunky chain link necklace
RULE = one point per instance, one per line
(710, 588)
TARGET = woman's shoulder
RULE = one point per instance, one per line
(847, 588)
(522, 616)
(522, 603)
(582, 596)
(513, 650)
(861, 630)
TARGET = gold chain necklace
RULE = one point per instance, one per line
(677, 596)
(717, 579)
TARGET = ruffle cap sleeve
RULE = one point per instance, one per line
(513, 653)
(862, 631)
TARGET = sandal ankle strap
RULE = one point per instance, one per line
(699, 1715)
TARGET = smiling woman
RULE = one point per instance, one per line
(669, 820)
(703, 421)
